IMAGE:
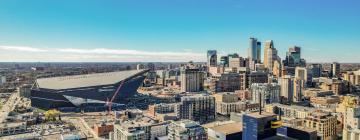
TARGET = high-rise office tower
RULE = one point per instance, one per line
(293, 57)
(270, 54)
(315, 70)
(270, 93)
(224, 61)
(211, 58)
(200, 108)
(191, 80)
(254, 50)
(287, 87)
(335, 69)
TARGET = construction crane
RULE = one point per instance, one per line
(109, 103)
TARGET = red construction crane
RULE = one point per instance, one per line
(109, 103)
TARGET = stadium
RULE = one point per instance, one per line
(86, 90)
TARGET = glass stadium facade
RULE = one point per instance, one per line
(85, 90)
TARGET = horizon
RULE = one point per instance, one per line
(177, 31)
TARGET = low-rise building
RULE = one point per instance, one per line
(289, 111)
(12, 128)
(103, 129)
(140, 128)
(186, 130)
(230, 131)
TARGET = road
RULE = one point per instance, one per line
(9, 106)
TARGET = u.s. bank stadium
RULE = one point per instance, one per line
(86, 90)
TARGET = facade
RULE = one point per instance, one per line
(315, 92)
(228, 82)
(227, 103)
(160, 108)
(315, 70)
(191, 80)
(211, 58)
(258, 126)
(200, 108)
(287, 88)
(243, 94)
(323, 123)
(289, 111)
(350, 109)
(186, 130)
(256, 77)
(224, 61)
(103, 129)
(270, 55)
(141, 128)
(86, 90)
(276, 69)
(293, 57)
(12, 129)
(335, 69)
(301, 73)
(254, 50)
(270, 93)
(299, 88)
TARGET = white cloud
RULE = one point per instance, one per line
(16, 53)
(22, 48)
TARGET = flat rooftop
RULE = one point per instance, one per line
(86, 80)
(230, 128)
(262, 115)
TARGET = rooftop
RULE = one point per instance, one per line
(262, 115)
(86, 80)
(230, 128)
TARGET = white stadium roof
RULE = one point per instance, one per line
(86, 80)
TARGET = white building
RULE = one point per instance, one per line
(270, 93)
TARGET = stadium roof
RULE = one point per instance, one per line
(86, 80)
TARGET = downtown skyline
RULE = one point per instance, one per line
(177, 31)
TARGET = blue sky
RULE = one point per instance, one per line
(175, 30)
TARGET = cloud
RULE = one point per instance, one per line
(127, 52)
(22, 48)
(16, 53)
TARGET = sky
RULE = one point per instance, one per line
(175, 30)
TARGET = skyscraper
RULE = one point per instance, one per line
(211, 58)
(254, 50)
(293, 57)
(335, 69)
(270, 54)
(287, 87)
(315, 70)
(200, 108)
(191, 80)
